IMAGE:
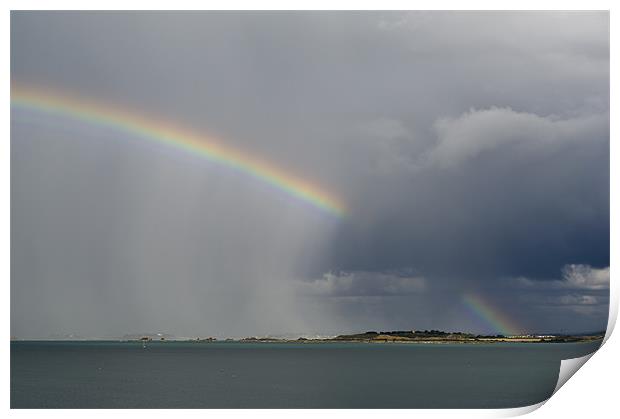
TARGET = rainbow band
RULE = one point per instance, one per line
(490, 315)
(63, 105)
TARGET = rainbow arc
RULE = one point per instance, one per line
(217, 152)
(490, 315)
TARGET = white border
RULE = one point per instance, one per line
(590, 395)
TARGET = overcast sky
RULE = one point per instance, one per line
(471, 151)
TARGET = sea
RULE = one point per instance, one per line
(96, 374)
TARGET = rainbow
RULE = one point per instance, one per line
(490, 315)
(165, 134)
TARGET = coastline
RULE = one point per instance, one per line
(346, 339)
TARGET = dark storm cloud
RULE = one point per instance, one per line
(499, 192)
(470, 148)
(580, 293)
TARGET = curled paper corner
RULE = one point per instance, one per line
(568, 368)
(614, 299)
(518, 411)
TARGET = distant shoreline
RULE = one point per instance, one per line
(402, 337)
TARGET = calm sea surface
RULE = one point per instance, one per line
(250, 375)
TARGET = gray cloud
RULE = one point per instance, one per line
(479, 131)
(579, 277)
(581, 293)
(355, 284)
